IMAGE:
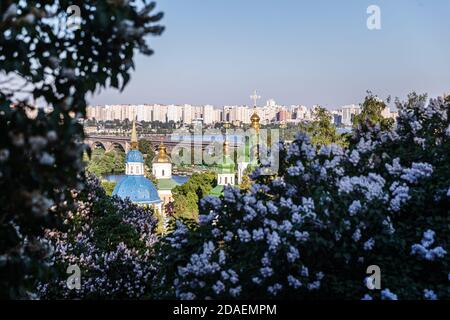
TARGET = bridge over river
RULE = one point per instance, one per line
(181, 141)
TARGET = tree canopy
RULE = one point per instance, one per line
(45, 61)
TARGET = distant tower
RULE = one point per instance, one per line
(248, 153)
(225, 172)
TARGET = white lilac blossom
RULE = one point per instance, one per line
(423, 250)
(292, 254)
(295, 170)
(273, 240)
(256, 280)
(400, 195)
(447, 131)
(233, 276)
(218, 287)
(354, 157)
(258, 234)
(417, 171)
(244, 235)
(216, 233)
(294, 282)
(301, 236)
(386, 294)
(371, 186)
(369, 244)
(394, 169)
(429, 295)
(275, 289)
(222, 257)
(315, 285)
(354, 208)
(266, 272)
(187, 296)
(304, 271)
(228, 236)
(415, 126)
(235, 292)
(356, 235)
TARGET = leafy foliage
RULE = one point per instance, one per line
(108, 186)
(102, 162)
(371, 114)
(311, 231)
(321, 129)
(110, 240)
(41, 155)
(186, 196)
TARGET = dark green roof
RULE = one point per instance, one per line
(167, 184)
(226, 165)
(244, 152)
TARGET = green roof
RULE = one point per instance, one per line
(226, 166)
(167, 184)
(216, 191)
(244, 152)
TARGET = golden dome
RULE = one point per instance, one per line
(255, 121)
(255, 117)
(162, 156)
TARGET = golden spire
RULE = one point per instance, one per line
(255, 118)
(225, 147)
(134, 140)
(162, 156)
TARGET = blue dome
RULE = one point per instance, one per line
(134, 156)
(138, 189)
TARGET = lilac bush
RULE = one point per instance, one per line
(110, 240)
(311, 231)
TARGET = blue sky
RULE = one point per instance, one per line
(296, 52)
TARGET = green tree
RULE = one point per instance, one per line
(321, 129)
(108, 186)
(146, 147)
(371, 114)
(106, 162)
(186, 197)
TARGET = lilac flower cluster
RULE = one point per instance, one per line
(423, 251)
(121, 271)
(327, 213)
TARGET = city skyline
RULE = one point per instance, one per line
(296, 53)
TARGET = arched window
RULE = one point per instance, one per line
(163, 172)
(226, 180)
(131, 169)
